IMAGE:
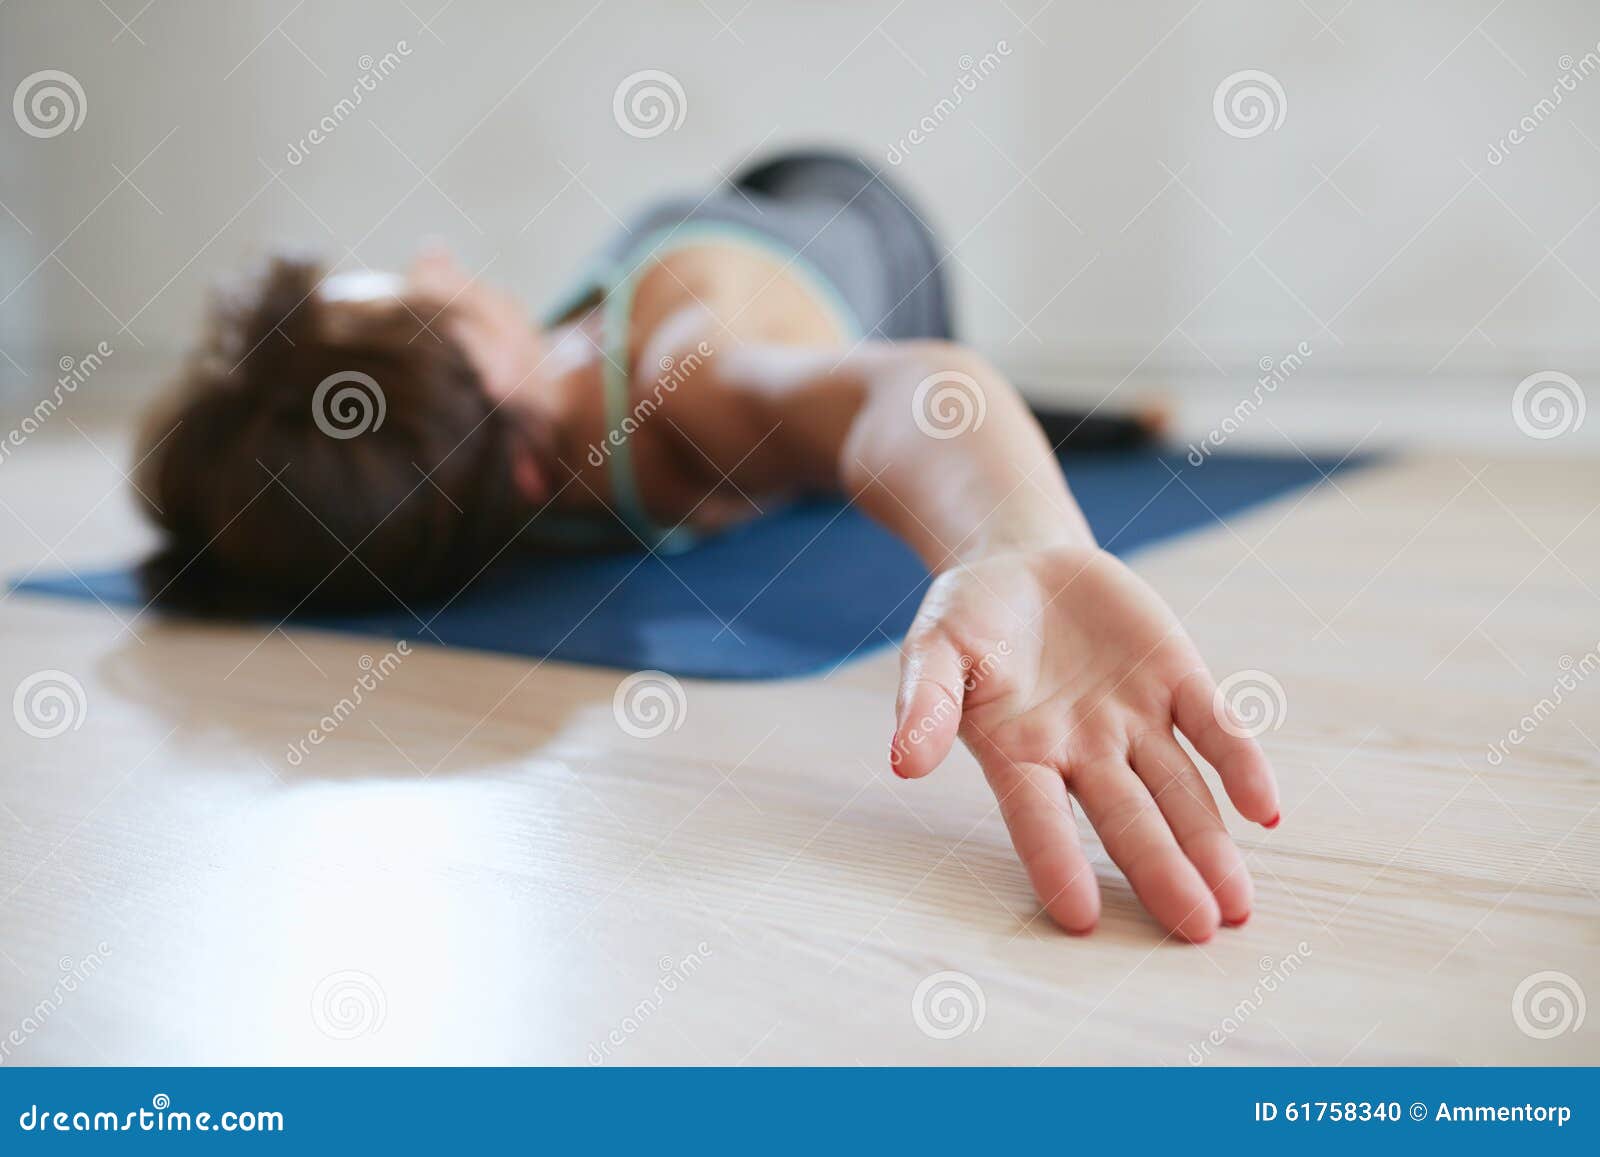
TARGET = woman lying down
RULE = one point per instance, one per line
(779, 335)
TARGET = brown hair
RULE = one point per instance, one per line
(327, 455)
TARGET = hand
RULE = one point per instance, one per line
(1065, 673)
(489, 324)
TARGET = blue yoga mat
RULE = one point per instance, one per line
(795, 593)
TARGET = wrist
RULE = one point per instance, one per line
(1044, 529)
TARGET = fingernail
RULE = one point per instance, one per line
(894, 756)
(1239, 923)
(1273, 822)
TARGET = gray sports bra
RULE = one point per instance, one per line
(827, 218)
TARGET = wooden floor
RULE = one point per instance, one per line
(479, 866)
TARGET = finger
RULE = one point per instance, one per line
(1137, 837)
(1225, 746)
(1184, 798)
(434, 252)
(1038, 814)
(434, 270)
(928, 710)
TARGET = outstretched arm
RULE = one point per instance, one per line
(1064, 673)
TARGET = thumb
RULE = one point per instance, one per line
(434, 270)
(928, 710)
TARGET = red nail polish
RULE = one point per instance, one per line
(1273, 822)
(1239, 923)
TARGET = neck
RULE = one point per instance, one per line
(565, 388)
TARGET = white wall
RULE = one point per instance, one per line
(1370, 224)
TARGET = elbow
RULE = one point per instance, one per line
(952, 388)
(923, 390)
(935, 358)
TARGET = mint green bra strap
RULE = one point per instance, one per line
(615, 346)
(616, 377)
(616, 383)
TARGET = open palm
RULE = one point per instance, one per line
(1066, 674)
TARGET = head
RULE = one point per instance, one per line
(343, 442)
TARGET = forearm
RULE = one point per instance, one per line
(928, 438)
(944, 452)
